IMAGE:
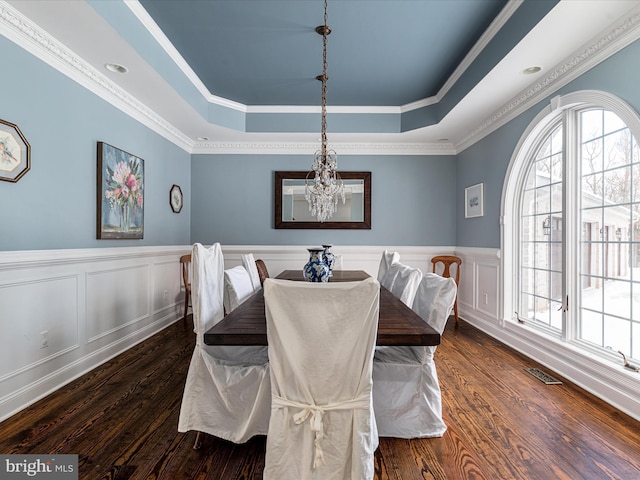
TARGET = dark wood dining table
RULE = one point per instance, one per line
(397, 324)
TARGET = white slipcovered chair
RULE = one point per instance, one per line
(227, 392)
(237, 287)
(321, 343)
(249, 263)
(406, 393)
(388, 258)
(402, 281)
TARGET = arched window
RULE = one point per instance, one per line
(571, 215)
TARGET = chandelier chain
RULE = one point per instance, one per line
(324, 82)
(326, 187)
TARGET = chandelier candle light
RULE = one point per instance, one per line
(322, 192)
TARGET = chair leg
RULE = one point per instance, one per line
(198, 443)
(186, 305)
(455, 310)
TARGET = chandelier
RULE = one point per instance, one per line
(326, 187)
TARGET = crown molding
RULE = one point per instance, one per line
(621, 34)
(495, 26)
(302, 148)
(20, 30)
(29, 36)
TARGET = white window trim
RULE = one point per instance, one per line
(605, 379)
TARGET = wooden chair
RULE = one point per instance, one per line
(262, 271)
(447, 261)
(185, 261)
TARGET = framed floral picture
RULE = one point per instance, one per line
(15, 153)
(120, 194)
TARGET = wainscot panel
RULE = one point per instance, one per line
(64, 312)
(480, 303)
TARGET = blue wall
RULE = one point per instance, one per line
(54, 205)
(413, 200)
(487, 160)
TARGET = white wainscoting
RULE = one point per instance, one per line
(480, 304)
(93, 304)
(86, 306)
(96, 303)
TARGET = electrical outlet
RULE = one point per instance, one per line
(166, 295)
(44, 339)
(486, 299)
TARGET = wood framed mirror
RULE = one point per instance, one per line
(292, 209)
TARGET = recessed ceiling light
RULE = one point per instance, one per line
(202, 139)
(531, 70)
(114, 67)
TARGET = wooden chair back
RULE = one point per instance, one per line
(447, 261)
(185, 262)
(263, 273)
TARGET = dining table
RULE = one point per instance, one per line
(397, 323)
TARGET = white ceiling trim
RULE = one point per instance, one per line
(618, 36)
(147, 21)
(302, 148)
(495, 26)
(139, 11)
(26, 34)
(19, 29)
(318, 109)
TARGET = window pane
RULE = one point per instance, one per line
(592, 295)
(529, 202)
(556, 197)
(612, 122)
(617, 149)
(556, 167)
(635, 304)
(544, 150)
(592, 157)
(591, 190)
(591, 326)
(526, 281)
(556, 141)
(529, 304)
(543, 201)
(543, 172)
(541, 279)
(591, 121)
(541, 313)
(541, 230)
(617, 298)
(617, 185)
(617, 334)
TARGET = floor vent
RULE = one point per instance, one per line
(543, 377)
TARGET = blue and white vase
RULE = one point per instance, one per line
(316, 270)
(329, 258)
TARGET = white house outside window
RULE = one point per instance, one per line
(576, 228)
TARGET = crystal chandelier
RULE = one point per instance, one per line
(326, 187)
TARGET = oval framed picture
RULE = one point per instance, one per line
(175, 198)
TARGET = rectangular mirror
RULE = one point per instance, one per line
(292, 208)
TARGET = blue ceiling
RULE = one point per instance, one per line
(380, 52)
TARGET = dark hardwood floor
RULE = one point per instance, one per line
(503, 423)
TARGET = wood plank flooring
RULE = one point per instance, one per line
(121, 419)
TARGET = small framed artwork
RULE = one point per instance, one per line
(120, 194)
(474, 201)
(175, 198)
(15, 153)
